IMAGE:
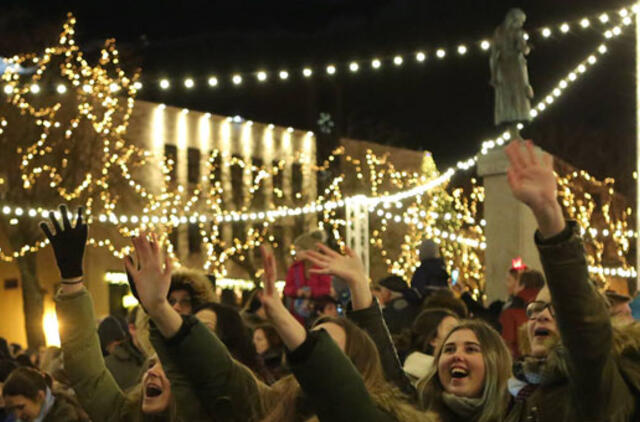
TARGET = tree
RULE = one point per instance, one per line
(62, 130)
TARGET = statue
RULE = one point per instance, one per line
(509, 75)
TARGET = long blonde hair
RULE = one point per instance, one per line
(286, 402)
(497, 362)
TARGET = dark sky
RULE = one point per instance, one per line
(443, 106)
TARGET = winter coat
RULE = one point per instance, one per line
(317, 284)
(399, 314)
(430, 275)
(125, 364)
(230, 392)
(514, 316)
(65, 409)
(593, 375)
(96, 389)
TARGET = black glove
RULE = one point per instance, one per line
(69, 243)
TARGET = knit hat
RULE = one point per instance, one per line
(394, 283)
(308, 240)
(428, 249)
(109, 331)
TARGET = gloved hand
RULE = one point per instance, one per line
(68, 242)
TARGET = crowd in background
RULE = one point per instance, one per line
(335, 346)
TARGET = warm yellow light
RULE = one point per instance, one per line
(397, 60)
(462, 50)
(564, 28)
(164, 84)
(331, 69)
(307, 72)
(441, 53)
(604, 18)
(420, 56)
(129, 301)
(546, 32)
(237, 79)
(8, 89)
(61, 89)
(375, 63)
(213, 81)
(485, 45)
(585, 23)
(35, 89)
(262, 76)
(50, 326)
(137, 85)
(188, 83)
(283, 74)
(353, 66)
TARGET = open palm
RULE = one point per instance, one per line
(327, 261)
(270, 297)
(531, 179)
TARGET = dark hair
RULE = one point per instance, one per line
(532, 279)
(271, 334)
(321, 302)
(231, 330)
(228, 297)
(6, 367)
(24, 360)
(516, 272)
(26, 382)
(425, 328)
(444, 298)
(5, 353)
(253, 302)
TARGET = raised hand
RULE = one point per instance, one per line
(291, 332)
(533, 182)
(68, 242)
(152, 275)
(348, 267)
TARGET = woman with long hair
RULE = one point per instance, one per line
(468, 379)
(328, 385)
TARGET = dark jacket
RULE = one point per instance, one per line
(65, 409)
(514, 316)
(125, 364)
(431, 274)
(399, 314)
(601, 380)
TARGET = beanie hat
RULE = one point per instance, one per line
(428, 249)
(109, 331)
(394, 283)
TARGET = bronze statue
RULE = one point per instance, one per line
(509, 75)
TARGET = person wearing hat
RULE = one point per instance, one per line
(431, 274)
(400, 303)
(111, 334)
(619, 309)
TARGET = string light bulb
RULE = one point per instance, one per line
(164, 84)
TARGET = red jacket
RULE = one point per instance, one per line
(514, 316)
(320, 284)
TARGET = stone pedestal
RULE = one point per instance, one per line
(510, 225)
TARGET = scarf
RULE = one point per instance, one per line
(464, 407)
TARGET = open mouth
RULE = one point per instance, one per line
(459, 373)
(152, 391)
(542, 332)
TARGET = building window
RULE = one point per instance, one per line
(296, 182)
(278, 192)
(259, 199)
(193, 165)
(237, 182)
(195, 238)
(171, 158)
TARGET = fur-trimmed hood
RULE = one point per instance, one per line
(196, 282)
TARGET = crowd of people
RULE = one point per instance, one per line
(335, 347)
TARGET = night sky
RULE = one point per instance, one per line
(443, 106)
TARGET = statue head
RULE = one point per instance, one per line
(515, 18)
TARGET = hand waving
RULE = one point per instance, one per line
(270, 298)
(533, 182)
(68, 242)
(152, 275)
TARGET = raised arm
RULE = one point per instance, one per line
(580, 312)
(366, 312)
(94, 385)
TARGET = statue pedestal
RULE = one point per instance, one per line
(510, 225)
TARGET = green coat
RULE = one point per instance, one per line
(95, 387)
(230, 391)
(597, 385)
(126, 364)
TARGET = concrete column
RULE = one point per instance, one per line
(510, 225)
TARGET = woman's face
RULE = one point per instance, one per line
(541, 327)
(461, 368)
(156, 389)
(260, 341)
(208, 318)
(444, 327)
(337, 333)
(24, 408)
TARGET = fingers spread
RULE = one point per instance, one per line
(47, 232)
(515, 156)
(79, 220)
(55, 223)
(327, 250)
(531, 153)
(65, 217)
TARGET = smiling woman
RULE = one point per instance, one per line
(469, 379)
